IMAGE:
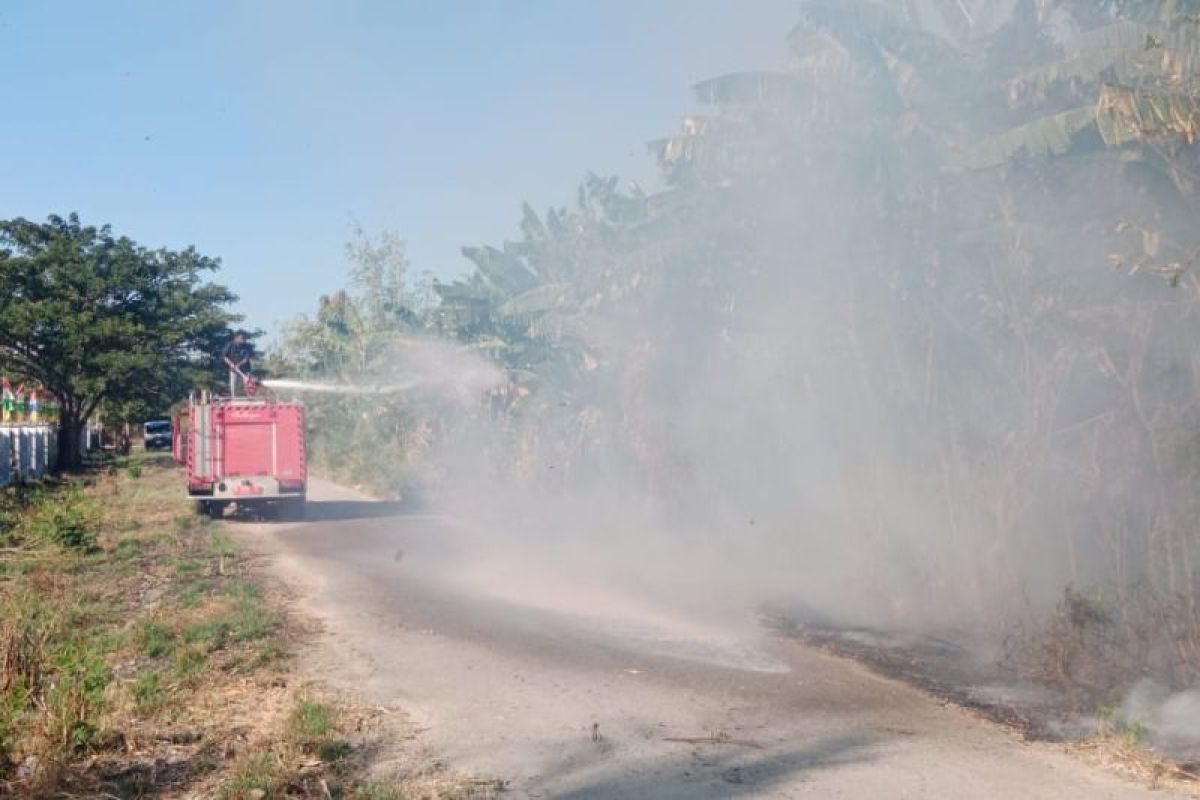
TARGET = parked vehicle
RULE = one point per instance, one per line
(244, 452)
(156, 434)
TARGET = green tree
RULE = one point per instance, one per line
(97, 318)
(354, 337)
(903, 236)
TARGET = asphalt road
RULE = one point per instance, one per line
(571, 690)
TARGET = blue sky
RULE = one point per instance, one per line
(264, 132)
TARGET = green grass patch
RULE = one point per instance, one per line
(1114, 723)
(252, 620)
(313, 727)
(267, 654)
(185, 523)
(222, 544)
(189, 664)
(155, 639)
(213, 633)
(127, 549)
(188, 566)
(193, 594)
(311, 721)
(333, 750)
(378, 790)
(70, 519)
(149, 691)
(75, 699)
(154, 607)
(22, 566)
(252, 774)
(109, 641)
(246, 621)
(243, 590)
(88, 610)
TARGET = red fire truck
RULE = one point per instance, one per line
(245, 452)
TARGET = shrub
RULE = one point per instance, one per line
(67, 519)
(13, 707)
(10, 518)
(334, 750)
(1113, 722)
(75, 700)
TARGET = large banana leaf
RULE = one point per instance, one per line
(1047, 136)
(696, 124)
(956, 15)
(827, 64)
(1126, 52)
(501, 270)
(462, 293)
(968, 19)
(1177, 52)
(667, 203)
(531, 223)
(872, 29)
(1119, 37)
(748, 88)
(684, 147)
(1091, 67)
(537, 300)
(863, 15)
(1127, 114)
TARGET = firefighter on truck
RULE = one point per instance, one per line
(238, 354)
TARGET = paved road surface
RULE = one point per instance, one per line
(604, 698)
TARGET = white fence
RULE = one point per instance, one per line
(27, 452)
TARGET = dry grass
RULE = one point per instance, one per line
(140, 656)
(1118, 755)
(1097, 645)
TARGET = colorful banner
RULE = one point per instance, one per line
(25, 404)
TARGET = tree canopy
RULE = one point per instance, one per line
(97, 318)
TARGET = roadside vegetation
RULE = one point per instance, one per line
(140, 656)
(920, 303)
(924, 295)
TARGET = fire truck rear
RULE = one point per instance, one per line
(243, 452)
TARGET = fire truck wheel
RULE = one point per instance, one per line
(216, 510)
